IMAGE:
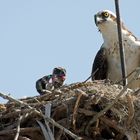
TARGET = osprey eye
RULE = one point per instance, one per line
(105, 14)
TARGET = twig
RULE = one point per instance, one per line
(18, 128)
(113, 102)
(25, 116)
(75, 110)
(112, 124)
(16, 113)
(105, 120)
(130, 110)
(137, 92)
(86, 112)
(39, 113)
(60, 133)
(126, 77)
(122, 52)
(14, 100)
(22, 130)
(91, 75)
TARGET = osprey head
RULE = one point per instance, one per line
(105, 20)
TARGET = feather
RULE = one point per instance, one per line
(100, 65)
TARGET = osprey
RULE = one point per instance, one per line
(107, 64)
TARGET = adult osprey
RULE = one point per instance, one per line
(107, 64)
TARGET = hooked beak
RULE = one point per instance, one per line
(98, 20)
(95, 19)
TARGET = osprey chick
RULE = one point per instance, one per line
(107, 64)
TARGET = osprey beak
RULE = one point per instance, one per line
(95, 19)
(98, 20)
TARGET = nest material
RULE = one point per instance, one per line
(79, 111)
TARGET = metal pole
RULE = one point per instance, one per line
(122, 53)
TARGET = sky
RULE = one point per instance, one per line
(38, 35)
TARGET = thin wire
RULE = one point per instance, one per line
(122, 53)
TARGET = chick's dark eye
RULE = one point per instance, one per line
(105, 14)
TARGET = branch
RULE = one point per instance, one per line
(76, 108)
(18, 128)
(40, 114)
(22, 130)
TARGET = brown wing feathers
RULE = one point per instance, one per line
(99, 68)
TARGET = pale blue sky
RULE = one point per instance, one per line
(38, 35)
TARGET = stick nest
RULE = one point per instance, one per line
(77, 108)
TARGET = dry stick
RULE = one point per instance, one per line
(91, 75)
(18, 128)
(111, 124)
(25, 116)
(58, 137)
(39, 113)
(122, 53)
(125, 77)
(131, 110)
(16, 113)
(113, 102)
(22, 130)
(75, 110)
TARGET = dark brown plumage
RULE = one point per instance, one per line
(99, 68)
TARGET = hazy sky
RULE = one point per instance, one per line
(38, 35)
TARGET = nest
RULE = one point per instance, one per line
(86, 111)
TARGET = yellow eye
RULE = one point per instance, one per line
(105, 14)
